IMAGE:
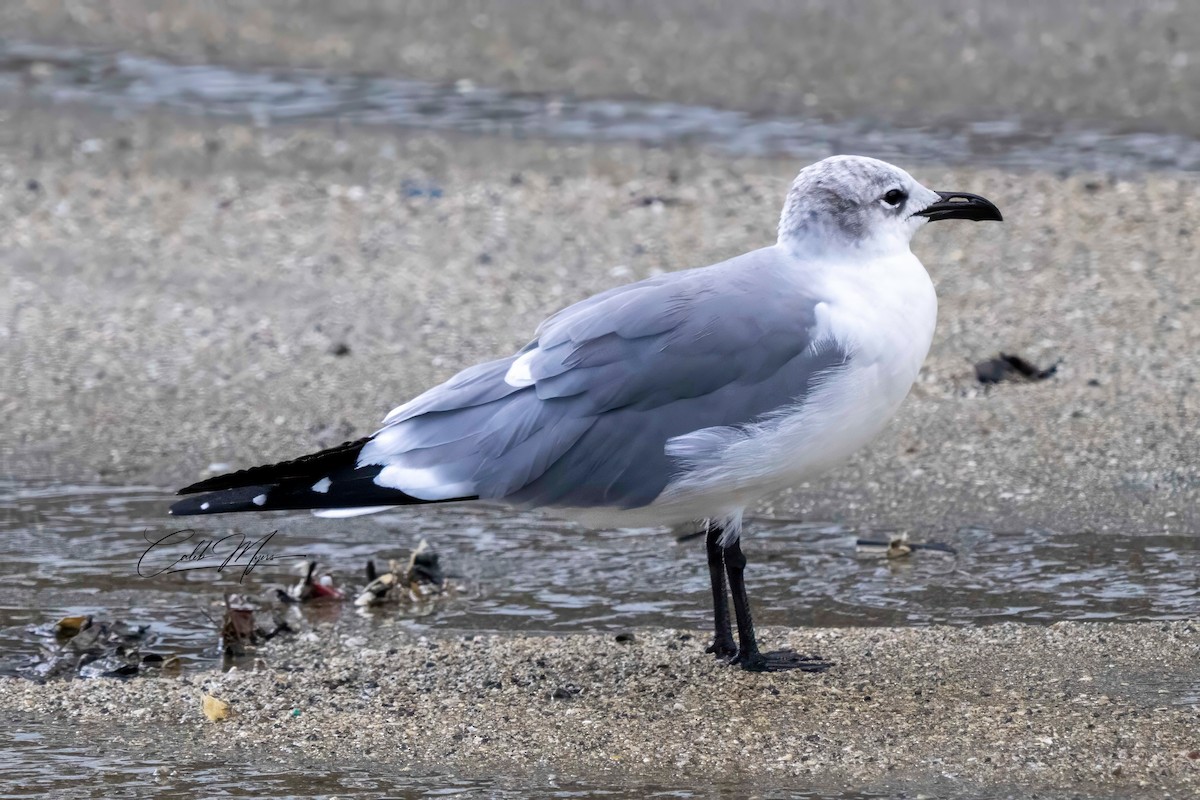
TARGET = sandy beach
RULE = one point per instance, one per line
(191, 283)
(1068, 710)
(182, 292)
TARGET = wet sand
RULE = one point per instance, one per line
(1097, 63)
(180, 292)
(1085, 709)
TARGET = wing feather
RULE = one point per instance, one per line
(611, 381)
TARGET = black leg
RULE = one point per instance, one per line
(723, 645)
(749, 657)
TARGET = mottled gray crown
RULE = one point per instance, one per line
(837, 198)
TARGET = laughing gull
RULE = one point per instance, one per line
(682, 398)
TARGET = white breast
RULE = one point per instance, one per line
(884, 313)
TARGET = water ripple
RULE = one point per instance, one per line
(74, 549)
(125, 82)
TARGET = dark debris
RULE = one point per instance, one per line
(1012, 368)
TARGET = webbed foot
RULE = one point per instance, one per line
(782, 661)
(723, 648)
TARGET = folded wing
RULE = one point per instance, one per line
(582, 416)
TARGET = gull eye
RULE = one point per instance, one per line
(895, 197)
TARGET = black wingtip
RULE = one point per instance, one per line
(243, 498)
(312, 465)
(354, 488)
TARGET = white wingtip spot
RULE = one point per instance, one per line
(204, 506)
(259, 500)
(322, 486)
(520, 373)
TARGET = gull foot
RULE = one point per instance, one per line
(782, 661)
(724, 649)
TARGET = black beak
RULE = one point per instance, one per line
(960, 205)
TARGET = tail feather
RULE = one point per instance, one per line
(330, 479)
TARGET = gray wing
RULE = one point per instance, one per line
(606, 384)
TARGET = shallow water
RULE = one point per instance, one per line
(37, 762)
(75, 549)
(68, 550)
(124, 83)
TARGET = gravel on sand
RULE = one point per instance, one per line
(1079, 706)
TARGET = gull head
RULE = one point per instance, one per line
(860, 203)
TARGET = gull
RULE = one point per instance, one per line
(683, 398)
